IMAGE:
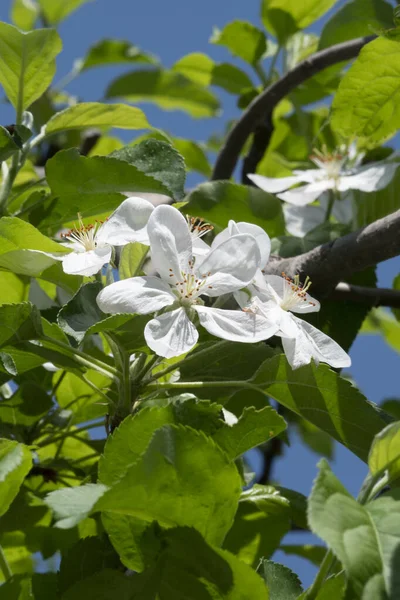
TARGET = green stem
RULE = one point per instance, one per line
(84, 359)
(4, 566)
(146, 368)
(322, 574)
(53, 439)
(126, 385)
(96, 389)
(192, 385)
(8, 182)
(331, 202)
(261, 73)
(185, 361)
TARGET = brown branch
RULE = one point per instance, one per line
(336, 261)
(366, 295)
(262, 106)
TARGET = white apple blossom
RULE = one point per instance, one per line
(183, 279)
(276, 300)
(338, 172)
(91, 245)
(300, 220)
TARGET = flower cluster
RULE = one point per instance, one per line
(192, 279)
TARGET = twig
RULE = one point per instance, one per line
(336, 261)
(373, 296)
(262, 106)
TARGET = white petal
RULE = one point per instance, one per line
(170, 241)
(142, 295)
(127, 224)
(369, 178)
(322, 347)
(261, 237)
(283, 288)
(273, 184)
(232, 265)
(299, 220)
(306, 194)
(343, 209)
(86, 263)
(235, 325)
(287, 324)
(298, 350)
(171, 334)
(200, 248)
(310, 175)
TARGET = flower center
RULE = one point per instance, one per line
(85, 235)
(190, 285)
(294, 292)
(198, 227)
(331, 163)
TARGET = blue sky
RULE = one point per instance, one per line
(171, 30)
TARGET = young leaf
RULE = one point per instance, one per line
(113, 52)
(24, 14)
(194, 156)
(15, 464)
(364, 538)
(385, 452)
(282, 583)
(167, 89)
(81, 312)
(220, 201)
(367, 101)
(323, 397)
(132, 259)
(178, 462)
(96, 114)
(127, 329)
(8, 145)
(253, 428)
(57, 10)
(283, 18)
(242, 39)
(356, 19)
(27, 63)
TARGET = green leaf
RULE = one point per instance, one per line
(321, 396)
(88, 556)
(26, 406)
(16, 588)
(282, 583)
(159, 160)
(27, 63)
(178, 462)
(107, 584)
(314, 554)
(385, 452)
(132, 259)
(96, 114)
(124, 448)
(81, 312)
(283, 18)
(381, 322)
(8, 144)
(24, 14)
(262, 519)
(167, 89)
(201, 69)
(194, 156)
(253, 428)
(356, 19)
(242, 39)
(127, 329)
(113, 52)
(188, 567)
(24, 250)
(396, 286)
(367, 101)
(57, 10)
(79, 398)
(15, 464)
(96, 186)
(364, 538)
(220, 201)
(232, 361)
(13, 288)
(19, 322)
